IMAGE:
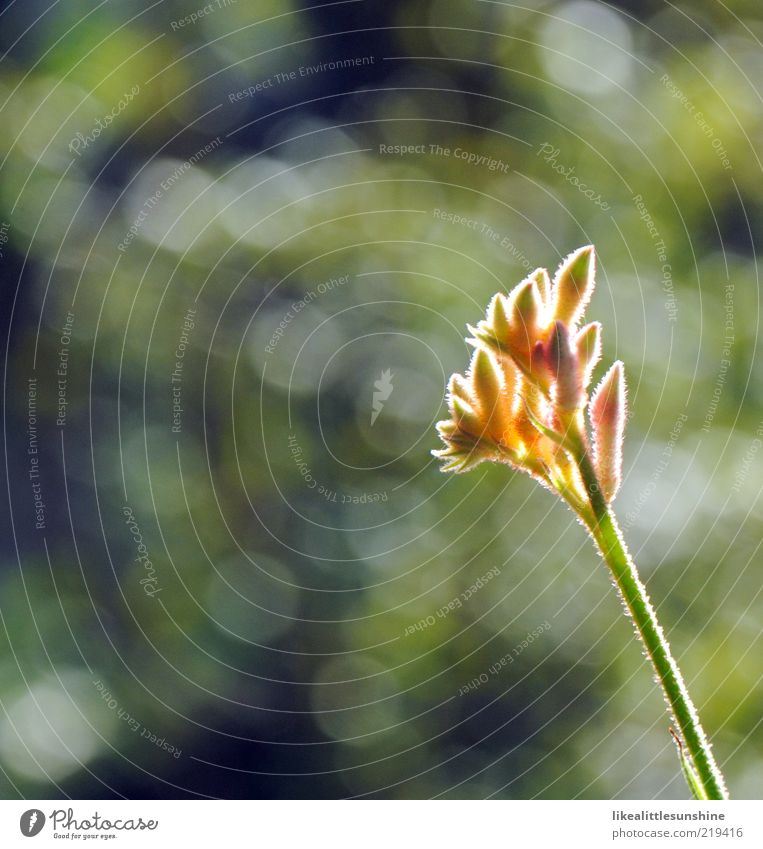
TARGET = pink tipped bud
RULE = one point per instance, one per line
(588, 347)
(539, 372)
(573, 285)
(607, 412)
(562, 362)
(538, 363)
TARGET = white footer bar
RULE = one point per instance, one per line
(381, 824)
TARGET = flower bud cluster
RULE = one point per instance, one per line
(523, 399)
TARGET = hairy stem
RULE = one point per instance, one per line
(609, 540)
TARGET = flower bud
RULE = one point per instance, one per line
(543, 282)
(573, 285)
(525, 308)
(588, 347)
(531, 403)
(524, 397)
(447, 429)
(539, 369)
(498, 319)
(461, 454)
(491, 399)
(562, 362)
(465, 416)
(458, 386)
(607, 411)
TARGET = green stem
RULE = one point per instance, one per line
(609, 540)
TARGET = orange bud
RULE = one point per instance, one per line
(511, 376)
(485, 379)
(529, 402)
(525, 306)
(573, 285)
(490, 397)
(607, 411)
(525, 310)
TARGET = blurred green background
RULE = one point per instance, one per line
(221, 226)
